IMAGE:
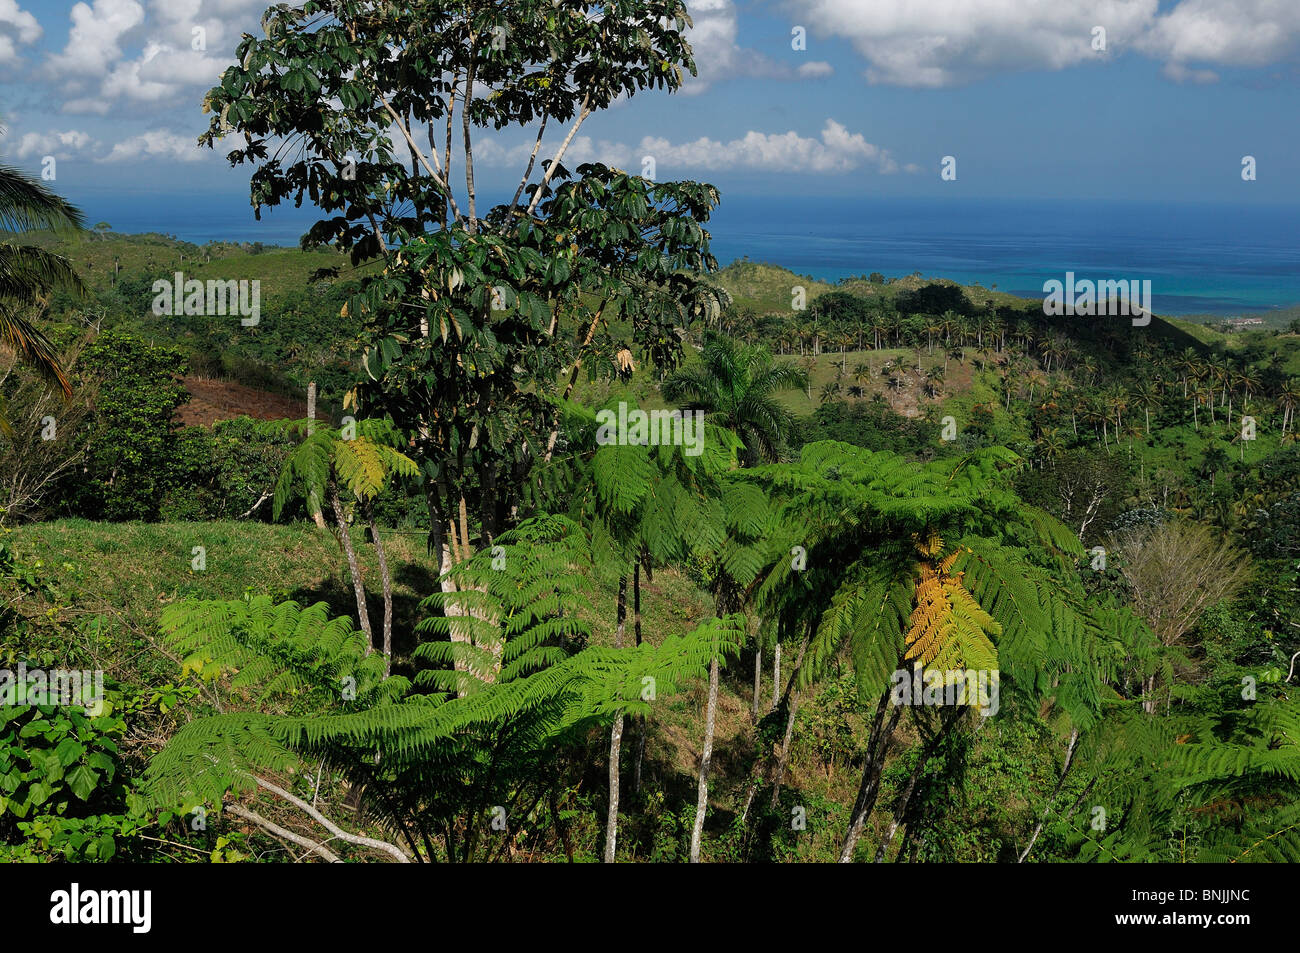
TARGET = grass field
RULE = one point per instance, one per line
(99, 259)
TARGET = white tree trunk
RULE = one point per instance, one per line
(706, 760)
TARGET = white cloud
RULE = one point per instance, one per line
(817, 69)
(1226, 32)
(16, 26)
(185, 45)
(94, 40)
(160, 73)
(26, 26)
(156, 144)
(61, 145)
(942, 42)
(836, 151)
(933, 43)
(718, 55)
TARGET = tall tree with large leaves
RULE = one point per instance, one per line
(477, 318)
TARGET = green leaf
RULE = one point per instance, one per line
(69, 750)
(82, 781)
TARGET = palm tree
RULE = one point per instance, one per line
(932, 327)
(1288, 395)
(1147, 395)
(1116, 398)
(948, 322)
(1057, 348)
(879, 325)
(1185, 364)
(1089, 368)
(845, 340)
(934, 381)
(1050, 445)
(1249, 382)
(1035, 379)
(27, 272)
(735, 385)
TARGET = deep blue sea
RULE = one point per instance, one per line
(1200, 258)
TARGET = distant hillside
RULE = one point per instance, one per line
(766, 288)
(105, 258)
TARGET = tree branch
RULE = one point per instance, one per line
(395, 852)
(528, 172)
(283, 833)
(550, 169)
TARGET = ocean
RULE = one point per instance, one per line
(1200, 258)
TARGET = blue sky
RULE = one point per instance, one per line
(1013, 89)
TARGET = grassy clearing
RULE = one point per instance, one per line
(101, 259)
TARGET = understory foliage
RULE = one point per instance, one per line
(514, 681)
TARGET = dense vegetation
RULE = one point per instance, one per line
(474, 608)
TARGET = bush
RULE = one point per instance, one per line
(136, 390)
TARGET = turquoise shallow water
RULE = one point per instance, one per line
(1219, 259)
(1199, 258)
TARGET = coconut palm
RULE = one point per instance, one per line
(28, 273)
(1147, 395)
(1185, 364)
(735, 384)
(934, 381)
(1288, 396)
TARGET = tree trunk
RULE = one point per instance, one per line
(640, 721)
(706, 761)
(611, 820)
(358, 587)
(783, 756)
(877, 744)
(792, 699)
(313, 501)
(900, 806)
(1065, 769)
(776, 673)
(387, 581)
(615, 738)
(758, 674)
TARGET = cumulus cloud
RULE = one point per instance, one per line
(156, 144)
(940, 43)
(719, 55)
(933, 43)
(1225, 32)
(61, 145)
(95, 37)
(836, 150)
(16, 26)
(182, 45)
(817, 69)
